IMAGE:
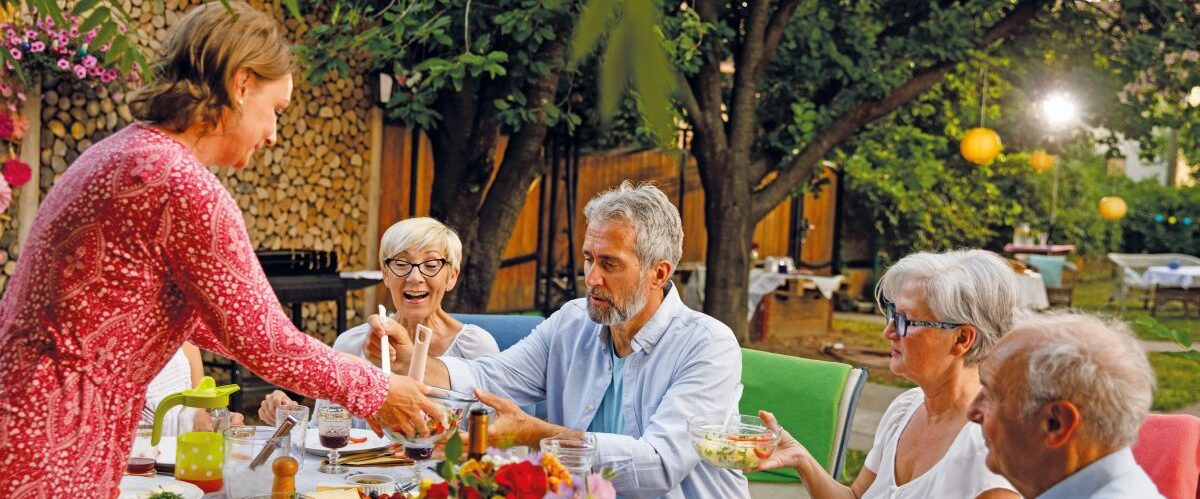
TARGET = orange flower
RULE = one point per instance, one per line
(556, 473)
(473, 467)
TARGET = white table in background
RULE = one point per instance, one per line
(762, 282)
(1183, 277)
(1031, 291)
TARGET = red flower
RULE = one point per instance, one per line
(438, 491)
(7, 126)
(469, 493)
(524, 480)
(16, 172)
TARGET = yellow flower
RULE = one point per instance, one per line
(424, 486)
(9, 12)
(473, 467)
(556, 473)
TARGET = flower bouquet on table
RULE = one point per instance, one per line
(498, 474)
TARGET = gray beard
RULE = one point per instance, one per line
(618, 312)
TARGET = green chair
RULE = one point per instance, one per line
(813, 400)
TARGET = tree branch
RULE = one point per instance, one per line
(778, 26)
(800, 168)
(707, 84)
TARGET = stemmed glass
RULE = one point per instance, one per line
(333, 425)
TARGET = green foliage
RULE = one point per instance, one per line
(113, 43)
(636, 54)
(1143, 233)
(437, 48)
(454, 447)
(1182, 338)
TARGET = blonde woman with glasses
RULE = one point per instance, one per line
(421, 258)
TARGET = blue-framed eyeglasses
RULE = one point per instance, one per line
(901, 322)
(428, 268)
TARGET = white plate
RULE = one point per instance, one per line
(312, 442)
(138, 487)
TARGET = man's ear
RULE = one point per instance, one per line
(1059, 421)
(660, 274)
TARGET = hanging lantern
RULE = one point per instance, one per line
(1112, 208)
(980, 145)
(1041, 160)
(1171, 220)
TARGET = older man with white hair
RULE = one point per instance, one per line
(626, 366)
(1062, 399)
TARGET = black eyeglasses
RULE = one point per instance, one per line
(428, 268)
(902, 322)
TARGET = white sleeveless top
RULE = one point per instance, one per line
(961, 473)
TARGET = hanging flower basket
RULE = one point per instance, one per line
(85, 46)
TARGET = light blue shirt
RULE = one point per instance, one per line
(608, 416)
(683, 363)
(1116, 475)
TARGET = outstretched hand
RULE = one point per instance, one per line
(405, 409)
(789, 453)
(511, 425)
(398, 339)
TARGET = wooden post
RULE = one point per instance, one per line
(31, 148)
(374, 185)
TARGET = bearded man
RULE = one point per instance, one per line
(623, 367)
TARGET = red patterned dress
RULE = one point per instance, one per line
(137, 248)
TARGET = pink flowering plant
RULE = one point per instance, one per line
(85, 45)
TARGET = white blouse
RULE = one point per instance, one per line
(961, 473)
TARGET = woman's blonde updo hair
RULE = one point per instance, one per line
(193, 76)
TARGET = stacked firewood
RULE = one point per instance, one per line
(307, 192)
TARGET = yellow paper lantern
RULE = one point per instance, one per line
(980, 145)
(1041, 160)
(1112, 208)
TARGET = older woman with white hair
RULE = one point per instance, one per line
(422, 258)
(945, 313)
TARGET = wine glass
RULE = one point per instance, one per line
(333, 425)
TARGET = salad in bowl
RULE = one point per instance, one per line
(741, 444)
(454, 405)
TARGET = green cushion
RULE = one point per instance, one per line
(803, 394)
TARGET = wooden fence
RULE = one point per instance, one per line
(516, 285)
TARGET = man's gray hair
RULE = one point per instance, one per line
(655, 221)
(973, 287)
(1098, 366)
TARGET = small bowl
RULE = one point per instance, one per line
(379, 484)
(455, 406)
(740, 445)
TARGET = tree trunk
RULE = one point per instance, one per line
(486, 226)
(727, 216)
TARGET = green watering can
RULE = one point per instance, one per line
(199, 451)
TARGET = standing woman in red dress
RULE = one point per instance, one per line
(137, 248)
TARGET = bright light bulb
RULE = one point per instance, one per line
(1059, 110)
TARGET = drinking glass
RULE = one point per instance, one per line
(299, 431)
(243, 444)
(143, 456)
(575, 454)
(333, 426)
